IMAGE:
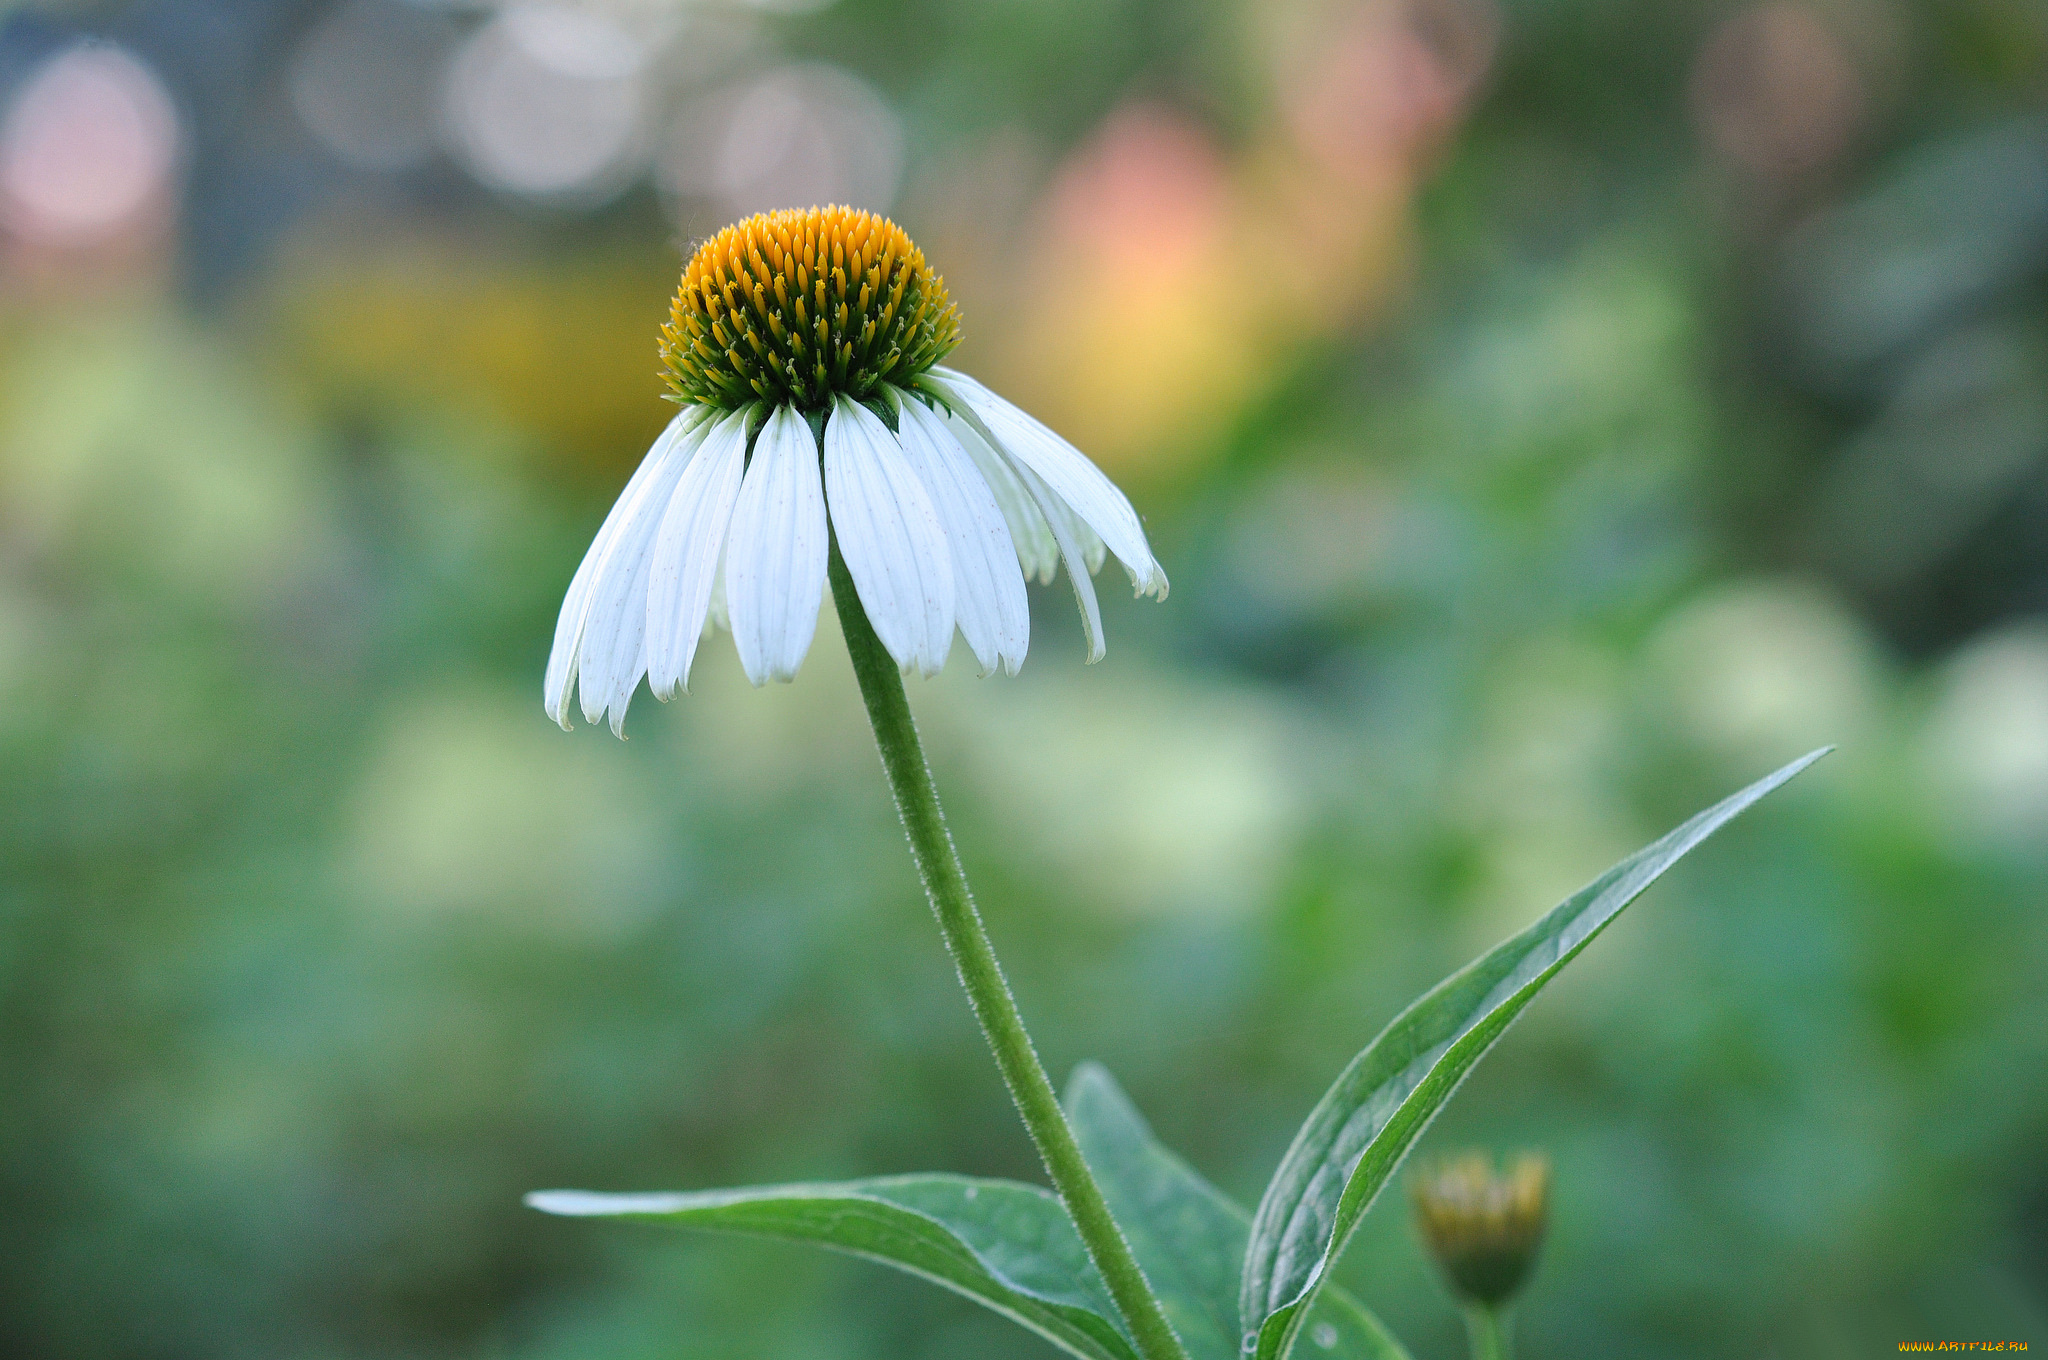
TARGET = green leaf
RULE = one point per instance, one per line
(1188, 1236)
(1358, 1132)
(1002, 1243)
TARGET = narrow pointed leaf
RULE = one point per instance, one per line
(1358, 1132)
(1189, 1236)
(1004, 1244)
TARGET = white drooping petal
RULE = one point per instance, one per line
(718, 617)
(1037, 550)
(890, 535)
(1095, 550)
(575, 615)
(686, 552)
(1075, 554)
(607, 647)
(1064, 469)
(988, 580)
(775, 553)
(1062, 519)
(613, 654)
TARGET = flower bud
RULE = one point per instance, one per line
(1484, 1229)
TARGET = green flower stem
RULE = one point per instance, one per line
(1489, 1328)
(931, 845)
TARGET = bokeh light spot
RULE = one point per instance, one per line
(364, 81)
(547, 101)
(796, 136)
(87, 148)
(1774, 91)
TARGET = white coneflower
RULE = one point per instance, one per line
(804, 348)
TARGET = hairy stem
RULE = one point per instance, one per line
(931, 846)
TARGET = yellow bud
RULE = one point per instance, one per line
(1483, 1229)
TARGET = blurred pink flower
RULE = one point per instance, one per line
(1169, 280)
(88, 151)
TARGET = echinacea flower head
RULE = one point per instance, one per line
(804, 349)
(800, 307)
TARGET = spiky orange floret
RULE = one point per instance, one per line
(795, 306)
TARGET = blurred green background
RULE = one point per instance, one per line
(1553, 414)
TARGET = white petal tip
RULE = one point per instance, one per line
(1151, 581)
